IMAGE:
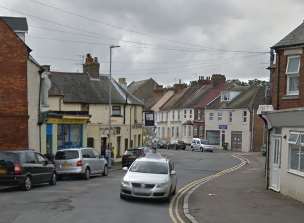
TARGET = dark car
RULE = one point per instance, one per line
(25, 169)
(177, 145)
(132, 154)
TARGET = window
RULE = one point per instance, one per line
(116, 110)
(230, 116)
(85, 107)
(296, 153)
(211, 116)
(30, 157)
(198, 114)
(190, 114)
(219, 116)
(225, 96)
(178, 115)
(195, 131)
(177, 131)
(90, 142)
(173, 114)
(162, 116)
(69, 136)
(40, 158)
(201, 131)
(189, 131)
(172, 131)
(292, 71)
(185, 113)
(213, 137)
(244, 116)
(185, 131)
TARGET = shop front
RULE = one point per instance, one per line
(65, 130)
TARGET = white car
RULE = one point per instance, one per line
(149, 177)
(201, 145)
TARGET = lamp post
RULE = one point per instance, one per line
(110, 93)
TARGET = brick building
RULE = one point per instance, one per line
(13, 80)
(285, 157)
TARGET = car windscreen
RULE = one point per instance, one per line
(205, 142)
(9, 156)
(129, 152)
(67, 155)
(149, 167)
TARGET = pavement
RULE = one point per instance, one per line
(241, 196)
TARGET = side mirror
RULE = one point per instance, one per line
(45, 162)
(173, 172)
(125, 168)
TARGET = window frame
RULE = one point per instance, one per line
(220, 116)
(299, 148)
(211, 116)
(114, 113)
(292, 74)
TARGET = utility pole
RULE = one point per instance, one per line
(110, 94)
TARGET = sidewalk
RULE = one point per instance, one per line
(241, 197)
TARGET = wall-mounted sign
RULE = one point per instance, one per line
(149, 118)
(223, 127)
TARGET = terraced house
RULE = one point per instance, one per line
(79, 112)
(285, 169)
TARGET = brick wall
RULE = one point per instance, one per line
(279, 84)
(13, 90)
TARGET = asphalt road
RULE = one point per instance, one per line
(97, 200)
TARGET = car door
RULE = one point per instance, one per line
(87, 160)
(44, 168)
(98, 162)
(32, 167)
(92, 161)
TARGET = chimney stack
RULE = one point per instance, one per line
(122, 81)
(91, 66)
(218, 79)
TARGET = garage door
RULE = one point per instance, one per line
(236, 141)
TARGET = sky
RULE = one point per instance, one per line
(168, 40)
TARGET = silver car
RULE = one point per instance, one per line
(149, 177)
(85, 162)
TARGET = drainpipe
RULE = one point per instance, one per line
(39, 109)
(252, 130)
(130, 136)
(278, 84)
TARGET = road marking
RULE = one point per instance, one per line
(189, 188)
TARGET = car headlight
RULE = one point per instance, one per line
(125, 183)
(162, 185)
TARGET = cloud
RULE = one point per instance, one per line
(178, 37)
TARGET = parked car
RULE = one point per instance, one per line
(149, 177)
(178, 144)
(25, 168)
(132, 154)
(85, 162)
(201, 145)
(160, 143)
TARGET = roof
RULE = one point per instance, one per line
(16, 23)
(249, 97)
(144, 90)
(294, 38)
(79, 88)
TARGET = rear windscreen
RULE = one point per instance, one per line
(67, 155)
(8, 156)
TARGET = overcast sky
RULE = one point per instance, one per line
(166, 40)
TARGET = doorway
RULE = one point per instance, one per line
(275, 163)
(236, 141)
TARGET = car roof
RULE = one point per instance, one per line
(152, 157)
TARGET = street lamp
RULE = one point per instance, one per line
(110, 93)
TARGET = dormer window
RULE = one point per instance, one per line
(225, 96)
(292, 71)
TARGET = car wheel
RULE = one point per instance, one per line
(202, 149)
(27, 184)
(105, 171)
(87, 174)
(174, 191)
(53, 179)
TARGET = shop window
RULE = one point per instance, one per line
(69, 136)
(213, 137)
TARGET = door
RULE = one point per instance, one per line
(275, 163)
(118, 143)
(236, 141)
(126, 144)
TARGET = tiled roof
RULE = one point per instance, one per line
(249, 97)
(294, 38)
(144, 90)
(79, 88)
(16, 23)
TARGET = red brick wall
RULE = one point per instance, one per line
(279, 89)
(259, 133)
(13, 90)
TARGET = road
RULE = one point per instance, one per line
(97, 200)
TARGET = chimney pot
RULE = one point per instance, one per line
(91, 66)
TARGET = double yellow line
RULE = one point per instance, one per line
(174, 204)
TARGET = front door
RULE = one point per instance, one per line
(236, 141)
(275, 162)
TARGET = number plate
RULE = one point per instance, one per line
(66, 165)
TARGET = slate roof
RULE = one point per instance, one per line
(79, 88)
(144, 90)
(250, 97)
(16, 23)
(294, 38)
